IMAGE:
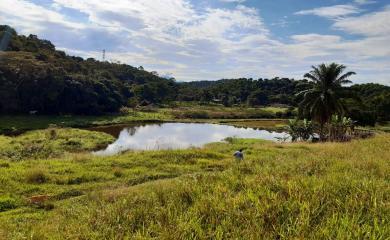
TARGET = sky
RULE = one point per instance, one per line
(212, 39)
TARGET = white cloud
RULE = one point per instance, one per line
(331, 11)
(233, 1)
(363, 2)
(32, 18)
(371, 24)
(173, 36)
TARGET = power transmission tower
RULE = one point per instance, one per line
(104, 55)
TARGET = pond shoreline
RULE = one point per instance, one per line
(88, 124)
(176, 135)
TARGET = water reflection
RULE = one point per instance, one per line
(179, 136)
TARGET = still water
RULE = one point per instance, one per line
(176, 136)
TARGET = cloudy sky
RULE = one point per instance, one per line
(213, 39)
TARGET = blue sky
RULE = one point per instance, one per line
(213, 39)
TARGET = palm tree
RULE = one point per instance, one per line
(324, 98)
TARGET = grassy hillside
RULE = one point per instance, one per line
(280, 191)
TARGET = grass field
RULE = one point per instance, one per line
(218, 112)
(280, 191)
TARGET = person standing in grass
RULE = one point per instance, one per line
(239, 155)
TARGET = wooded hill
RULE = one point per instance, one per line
(34, 76)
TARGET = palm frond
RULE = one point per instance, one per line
(325, 98)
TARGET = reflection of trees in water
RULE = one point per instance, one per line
(131, 130)
(153, 136)
(115, 130)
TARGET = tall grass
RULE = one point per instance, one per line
(50, 143)
(280, 191)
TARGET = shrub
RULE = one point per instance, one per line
(125, 110)
(338, 127)
(300, 130)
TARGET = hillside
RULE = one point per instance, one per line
(34, 76)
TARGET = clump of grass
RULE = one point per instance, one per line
(86, 177)
(118, 172)
(4, 165)
(53, 142)
(52, 133)
(69, 194)
(41, 202)
(150, 177)
(7, 203)
(37, 176)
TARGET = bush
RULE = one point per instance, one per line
(300, 130)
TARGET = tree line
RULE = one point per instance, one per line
(365, 103)
(35, 76)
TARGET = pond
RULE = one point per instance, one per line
(176, 136)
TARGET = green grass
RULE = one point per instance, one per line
(383, 127)
(268, 124)
(220, 112)
(17, 124)
(52, 142)
(280, 191)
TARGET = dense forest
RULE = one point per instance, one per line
(34, 76)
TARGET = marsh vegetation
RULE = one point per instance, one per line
(300, 190)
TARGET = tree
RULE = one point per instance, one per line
(258, 97)
(323, 99)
